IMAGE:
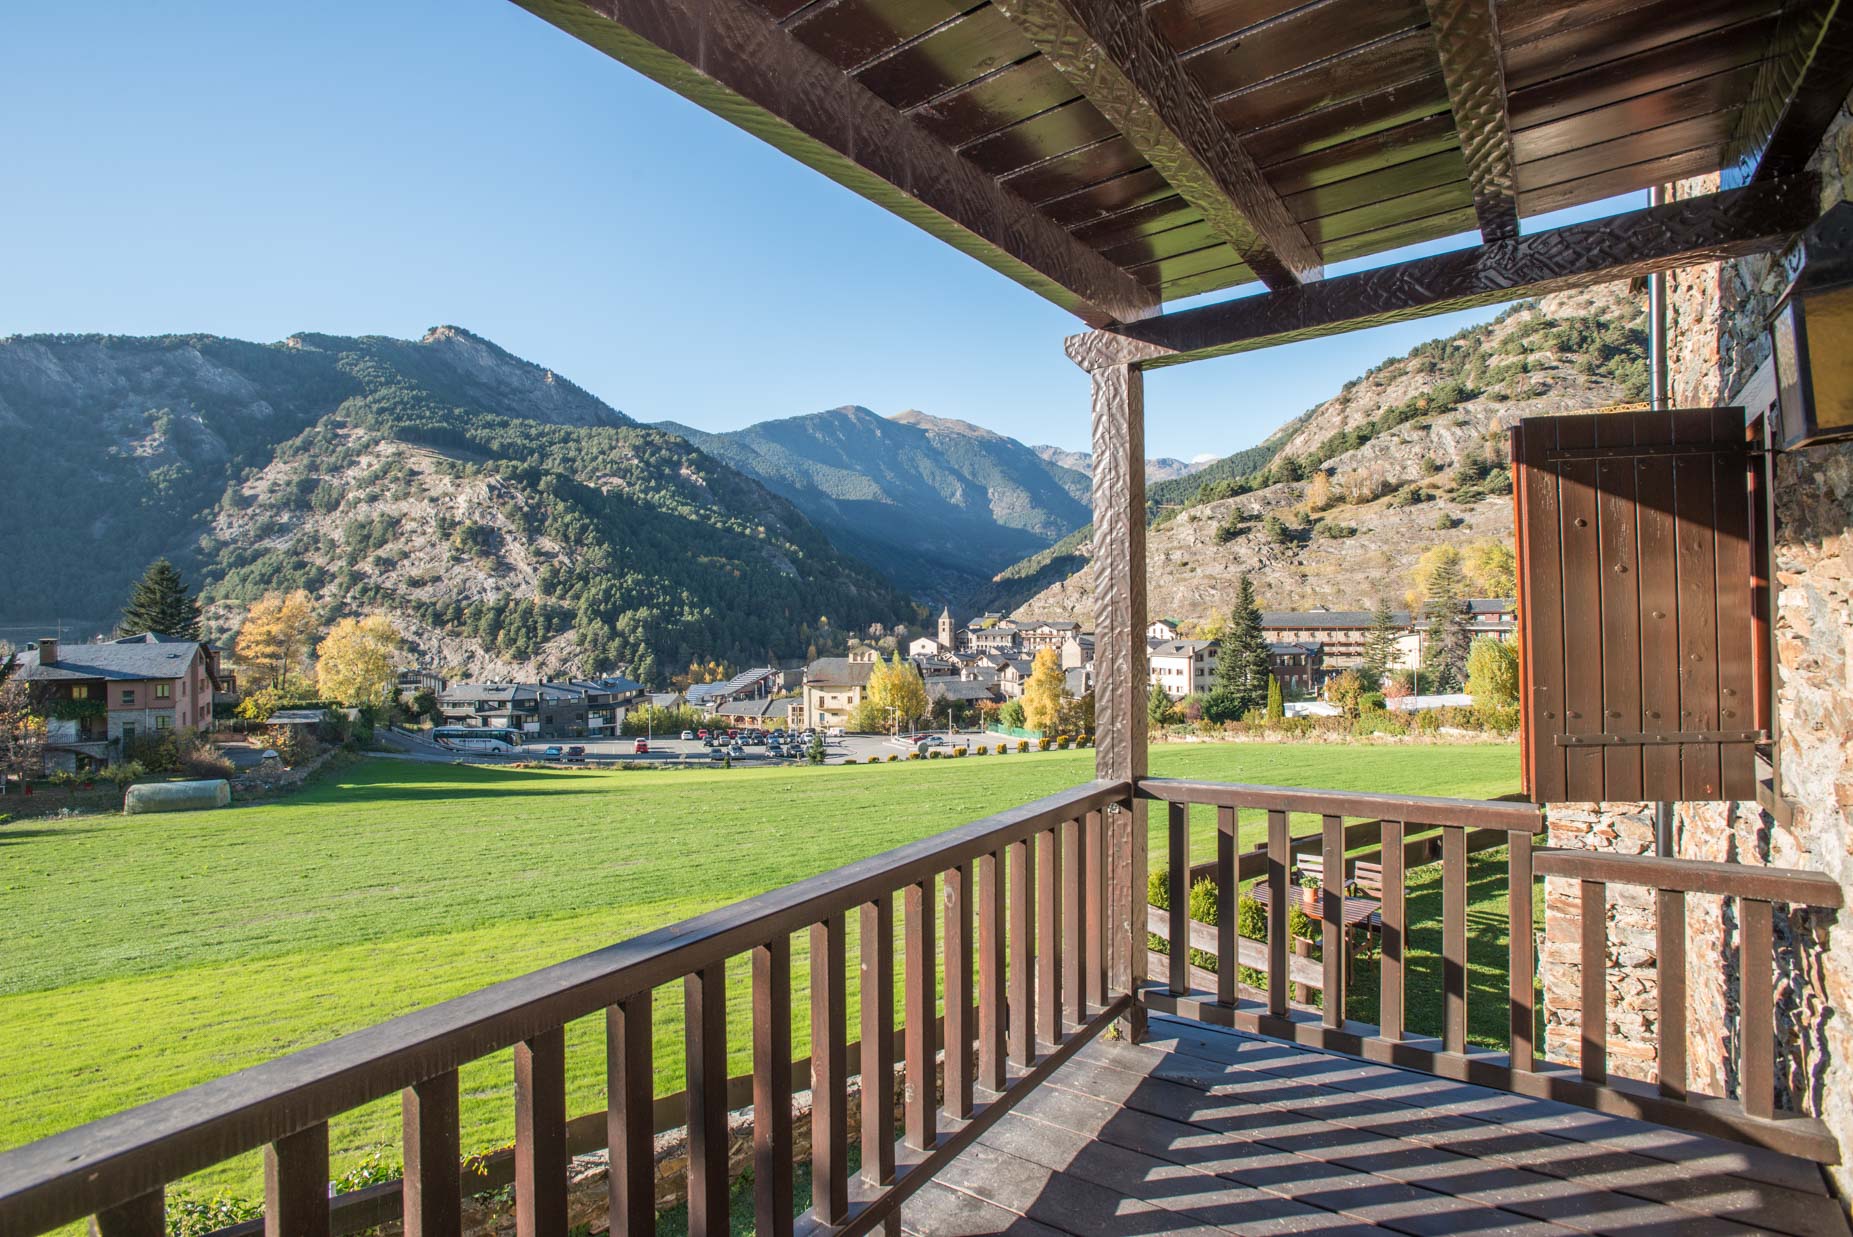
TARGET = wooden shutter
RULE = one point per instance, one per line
(1635, 606)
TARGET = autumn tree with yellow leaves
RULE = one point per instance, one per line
(356, 663)
(274, 642)
(1042, 695)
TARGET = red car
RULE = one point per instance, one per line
(701, 734)
(642, 747)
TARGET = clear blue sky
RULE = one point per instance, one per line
(382, 166)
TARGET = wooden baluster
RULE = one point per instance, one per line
(1074, 925)
(704, 1030)
(1177, 892)
(1670, 971)
(1521, 984)
(433, 1187)
(1022, 954)
(145, 1215)
(1279, 858)
(959, 992)
(829, 1074)
(1756, 1078)
(772, 1139)
(1454, 938)
(1096, 904)
(878, 1040)
(922, 1129)
(1393, 920)
(1228, 901)
(296, 1183)
(630, 1127)
(991, 1018)
(1595, 1017)
(1333, 935)
(540, 1134)
(1049, 935)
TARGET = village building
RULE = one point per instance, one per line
(99, 698)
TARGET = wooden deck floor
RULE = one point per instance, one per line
(1204, 1131)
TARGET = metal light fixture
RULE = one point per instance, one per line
(1811, 334)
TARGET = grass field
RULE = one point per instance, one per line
(146, 954)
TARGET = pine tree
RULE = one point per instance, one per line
(1448, 636)
(1380, 645)
(1277, 708)
(161, 603)
(1242, 668)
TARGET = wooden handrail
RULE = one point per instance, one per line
(1411, 809)
(134, 1154)
(1741, 880)
(1464, 827)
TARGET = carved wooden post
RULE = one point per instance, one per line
(1119, 644)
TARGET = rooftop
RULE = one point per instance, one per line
(148, 656)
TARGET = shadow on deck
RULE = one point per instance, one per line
(1201, 1130)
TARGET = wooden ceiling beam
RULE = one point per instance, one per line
(1756, 218)
(1800, 87)
(1472, 64)
(1108, 50)
(730, 57)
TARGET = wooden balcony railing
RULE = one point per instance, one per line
(1035, 877)
(1392, 833)
(1049, 963)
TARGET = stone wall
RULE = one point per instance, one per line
(1716, 340)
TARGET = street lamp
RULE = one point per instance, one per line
(1811, 335)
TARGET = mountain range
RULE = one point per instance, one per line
(511, 522)
(505, 518)
(941, 505)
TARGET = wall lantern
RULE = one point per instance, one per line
(1812, 335)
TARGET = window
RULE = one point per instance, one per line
(163, 722)
(80, 691)
(128, 732)
(163, 691)
(128, 695)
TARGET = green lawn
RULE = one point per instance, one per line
(145, 954)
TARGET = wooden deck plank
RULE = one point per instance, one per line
(1200, 1130)
(1442, 1097)
(1556, 1140)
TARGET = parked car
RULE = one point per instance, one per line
(553, 753)
(736, 750)
(836, 732)
(688, 736)
(703, 733)
(576, 754)
(717, 754)
(641, 747)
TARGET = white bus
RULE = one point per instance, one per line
(478, 739)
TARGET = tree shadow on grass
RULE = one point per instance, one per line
(12, 835)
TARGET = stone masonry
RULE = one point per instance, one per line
(1716, 340)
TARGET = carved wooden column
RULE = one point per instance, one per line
(1119, 643)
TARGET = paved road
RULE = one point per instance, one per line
(854, 748)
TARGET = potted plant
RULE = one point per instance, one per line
(1309, 892)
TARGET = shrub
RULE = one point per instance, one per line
(194, 1217)
(913, 755)
(933, 753)
(1302, 925)
(1022, 745)
(895, 756)
(1205, 902)
(1251, 920)
(1043, 745)
(982, 749)
(958, 751)
(875, 760)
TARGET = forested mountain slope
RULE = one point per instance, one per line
(1336, 506)
(941, 505)
(503, 516)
